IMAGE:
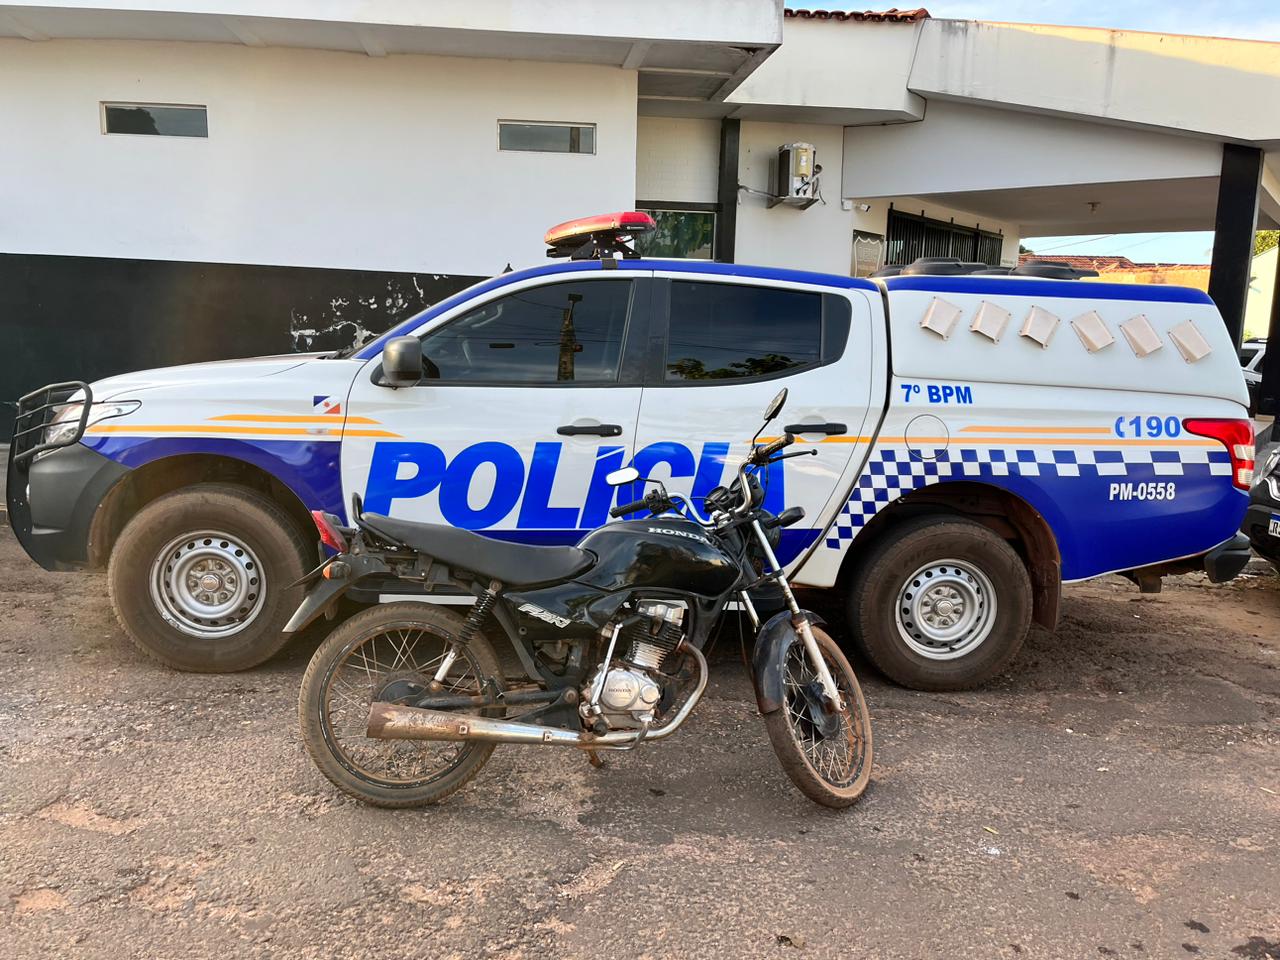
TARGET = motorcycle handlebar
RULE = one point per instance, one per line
(626, 508)
(763, 453)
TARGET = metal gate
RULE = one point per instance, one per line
(911, 236)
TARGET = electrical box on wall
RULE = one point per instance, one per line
(797, 176)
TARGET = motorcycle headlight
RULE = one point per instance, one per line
(66, 422)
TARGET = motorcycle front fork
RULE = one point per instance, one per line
(798, 619)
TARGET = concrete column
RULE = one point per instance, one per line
(727, 194)
(1233, 229)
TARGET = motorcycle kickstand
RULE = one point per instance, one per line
(594, 758)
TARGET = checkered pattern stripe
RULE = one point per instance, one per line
(893, 472)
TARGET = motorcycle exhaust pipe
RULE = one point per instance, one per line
(391, 721)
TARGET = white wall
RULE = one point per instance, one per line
(313, 159)
(959, 147)
(821, 237)
(677, 159)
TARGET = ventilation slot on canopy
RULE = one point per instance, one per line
(1142, 337)
(990, 321)
(941, 317)
(1092, 331)
(1190, 342)
(1039, 326)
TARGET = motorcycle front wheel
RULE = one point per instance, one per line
(827, 757)
(389, 652)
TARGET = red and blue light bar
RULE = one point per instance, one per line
(604, 236)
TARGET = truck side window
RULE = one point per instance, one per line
(557, 333)
(722, 331)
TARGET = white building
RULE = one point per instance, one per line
(185, 180)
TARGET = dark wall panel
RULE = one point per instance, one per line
(82, 318)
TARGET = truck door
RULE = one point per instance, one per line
(721, 349)
(529, 398)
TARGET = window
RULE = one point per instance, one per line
(684, 234)
(155, 119)
(547, 137)
(559, 333)
(721, 331)
(911, 237)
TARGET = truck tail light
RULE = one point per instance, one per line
(330, 535)
(1237, 437)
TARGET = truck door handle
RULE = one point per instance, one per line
(596, 430)
(830, 429)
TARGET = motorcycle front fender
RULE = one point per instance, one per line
(769, 660)
(328, 589)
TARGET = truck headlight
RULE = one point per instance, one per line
(66, 422)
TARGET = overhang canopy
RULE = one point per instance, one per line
(694, 52)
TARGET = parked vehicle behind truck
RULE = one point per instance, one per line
(982, 439)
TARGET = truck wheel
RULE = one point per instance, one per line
(199, 579)
(941, 603)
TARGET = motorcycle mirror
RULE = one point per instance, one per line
(775, 405)
(622, 477)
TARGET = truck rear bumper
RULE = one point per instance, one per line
(52, 502)
(1225, 561)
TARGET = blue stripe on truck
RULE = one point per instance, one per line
(1039, 287)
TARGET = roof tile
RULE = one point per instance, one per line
(892, 15)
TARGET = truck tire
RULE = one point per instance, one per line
(941, 603)
(199, 578)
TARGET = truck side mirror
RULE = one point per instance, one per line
(402, 362)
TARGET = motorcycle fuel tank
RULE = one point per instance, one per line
(665, 552)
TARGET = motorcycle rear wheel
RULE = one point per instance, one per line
(400, 644)
(831, 770)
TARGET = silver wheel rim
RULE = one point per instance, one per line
(946, 609)
(208, 584)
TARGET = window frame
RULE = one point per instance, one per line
(595, 136)
(667, 206)
(834, 341)
(635, 334)
(102, 118)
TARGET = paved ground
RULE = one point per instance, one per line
(1116, 795)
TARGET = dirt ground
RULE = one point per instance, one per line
(1115, 795)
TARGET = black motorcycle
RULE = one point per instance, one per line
(404, 703)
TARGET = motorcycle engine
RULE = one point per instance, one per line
(633, 686)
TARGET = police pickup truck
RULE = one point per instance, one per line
(981, 440)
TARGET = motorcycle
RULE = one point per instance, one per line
(404, 703)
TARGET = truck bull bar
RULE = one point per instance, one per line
(37, 409)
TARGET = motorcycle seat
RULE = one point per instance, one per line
(515, 564)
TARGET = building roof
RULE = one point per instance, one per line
(1104, 264)
(892, 15)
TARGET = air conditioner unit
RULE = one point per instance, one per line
(796, 176)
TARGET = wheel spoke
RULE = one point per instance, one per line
(836, 759)
(410, 655)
